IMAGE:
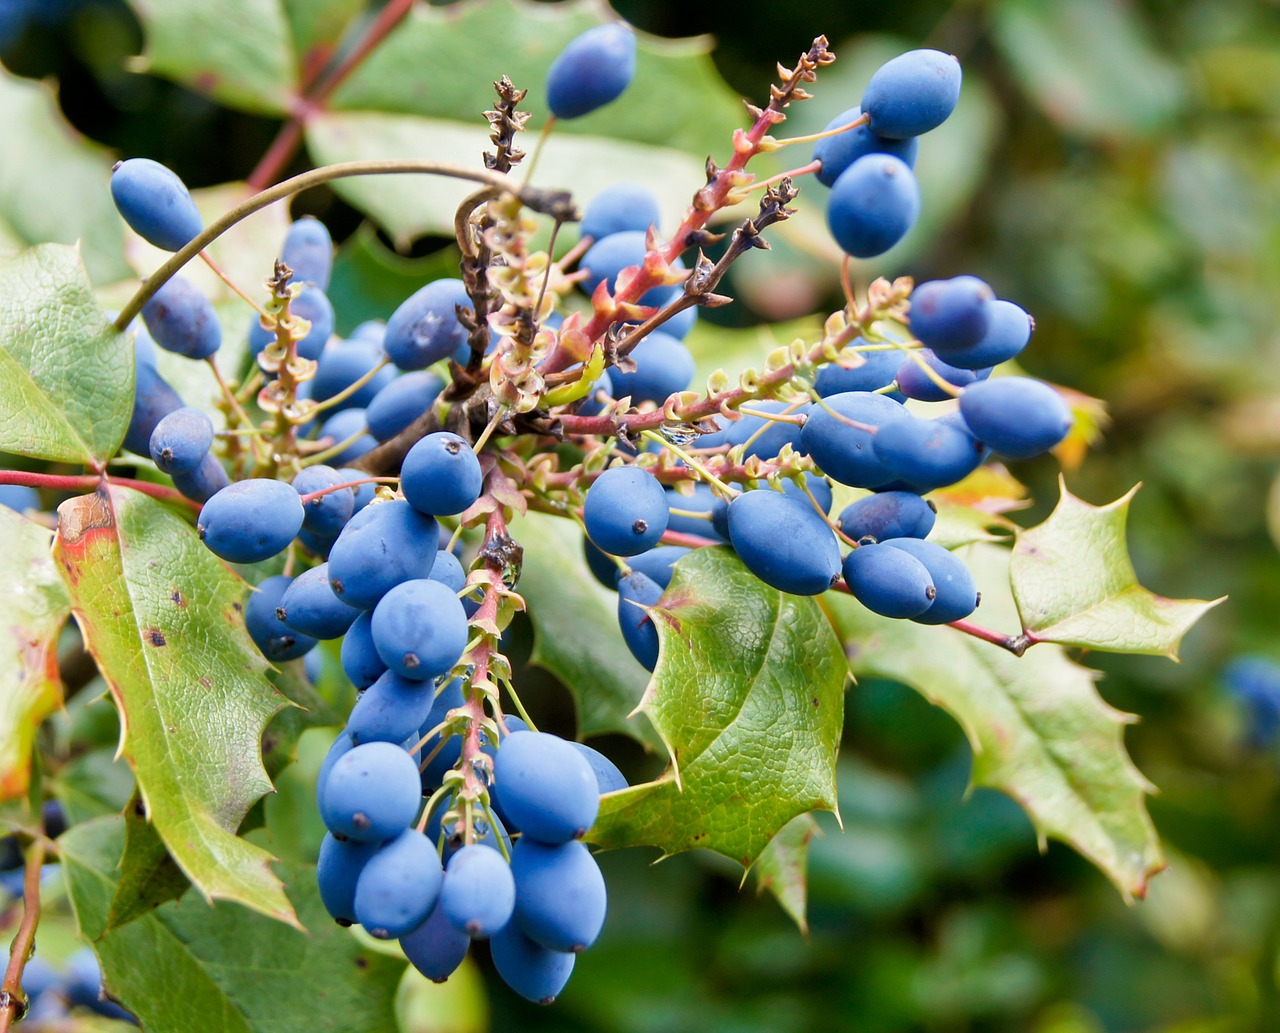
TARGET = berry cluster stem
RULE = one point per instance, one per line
(13, 1002)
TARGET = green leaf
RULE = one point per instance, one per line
(408, 206)
(53, 181)
(237, 51)
(187, 966)
(442, 63)
(66, 376)
(148, 876)
(1089, 65)
(748, 697)
(163, 618)
(92, 785)
(1075, 584)
(575, 620)
(317, 25)
(34, 607)
(1038, 728)
(783, 867)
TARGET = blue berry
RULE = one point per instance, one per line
(308, 251)
(703, 500)
(341, 364)
(608, 778)
(1017, 416)
(663, 366)
(341, 745)
(607, 257)
(1008, 331)
(636, 591)
(310, 607)
(927, 453)
(441, 475)
(838, 152)
(620, 208)
(250, 520)
(545, 786)
(478, 894)
(593, 70)
(348, 425)
(337, 869)
(560, 893)
(381, 546)
(916, 383)
(261, 619)
(845, 452)
(657, 564)
(425, 328)
(207, 479)
(890, 514)
(372, 793)
(181, 319)
(950, 316)
(625, 512)
(436, 947)
(879, 370)
(531, 970)
(392, 709)
(155, 203)
(399, 886)
(957, 595)
(872, 205)
(360, 660)
(181, 440)
(153, 399)
(328, 514)
(784, 543)
(913, 93)
(20, 498)
(889, 581)
(401, 402)
(419, 629)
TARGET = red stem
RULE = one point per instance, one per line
(287, 141)
(11, 994)
(90, 481)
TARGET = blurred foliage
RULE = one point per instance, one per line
(1112, 170)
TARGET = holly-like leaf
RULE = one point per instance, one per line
(748, 697)
(186, 966)
(33, 608)
(238, 51)
(66, 376)
(783, 868)
(1039, 730)
(148, 876)
(575, 620)
(53, 181)
(162, 617)
(1075, 584)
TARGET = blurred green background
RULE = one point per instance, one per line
(1113, 169)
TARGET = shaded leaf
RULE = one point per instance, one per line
(408, 206)
(250, 67)
(1039, 730)
(92, 785)
(316, 27)
(163, 618)
(187, 966)
(575, 620)
(148, 876)
(782, 868)
(54, 182)
(33, 609)
(66, 376)
(1089, 65)
(1075, 584)
(748, 697)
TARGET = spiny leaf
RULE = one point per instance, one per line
(34, 607)
(783, 867)
(1038, 728)
(1075, 584)
(748, 697)
(577, 631)
(162, 616)
(148, 876)
(66, 376)
(186, 966)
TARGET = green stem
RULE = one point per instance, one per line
(689, 461)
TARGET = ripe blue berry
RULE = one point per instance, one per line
(425, 328)
(916, 383)
(441, 475)
(531, 970)
(181, 319)
(1017, 416)
(560, 893)
(913, 93)
(155, 203)
(381, 546)
(261, 620)
(703, 500)
(478, 894)
(592, 71)
(401, 402)
(879, 370)
(181, 440)
(348, 425)
(308, 251)
(398, 886)
(250, 520)
(620, 208)
(545, 786)
(845, 452)
(625, 512)
(608, 778)
(783, 542)
(1008, 331)
(360, 660)
(889, 581)
(392, 709)
(927, 454)
(419, 628)
(337, 869)
(310, 607)
(838, 152)
(950, 316)
(657, 564)
(957, 595)
(372, 793)
(207, 479)
(328, 514)
(872, 205)
(890, 514)
(636, 591)
(436, 948)
(153, 399)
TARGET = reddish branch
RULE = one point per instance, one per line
(91, 481)
(13, 1002)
